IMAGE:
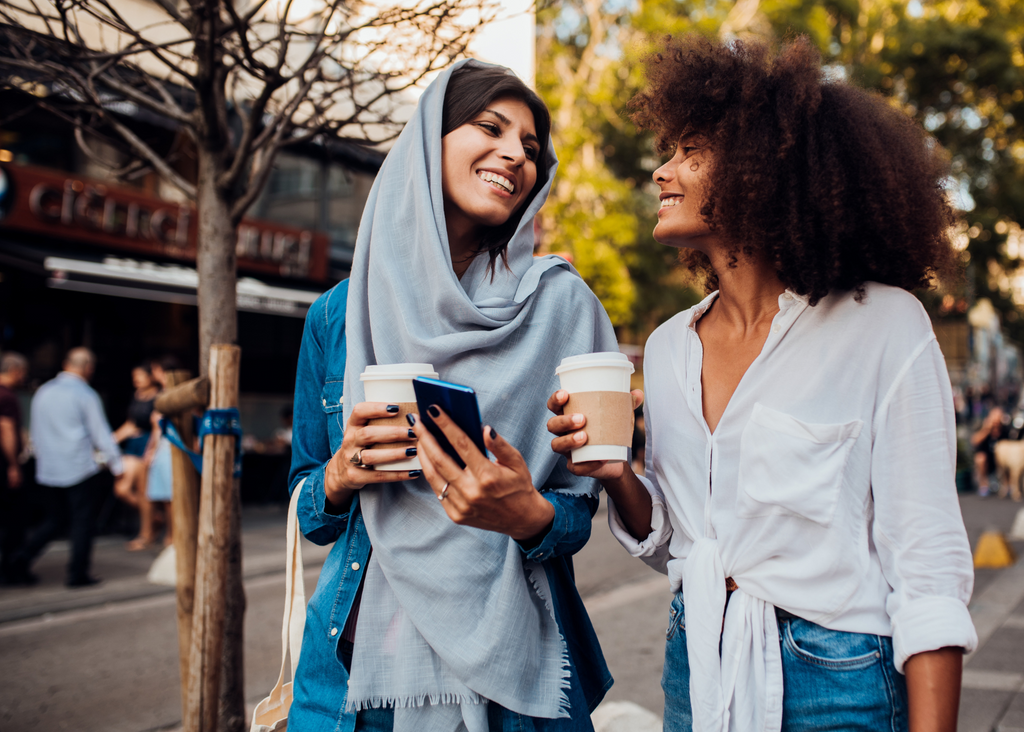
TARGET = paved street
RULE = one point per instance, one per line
(105, 658)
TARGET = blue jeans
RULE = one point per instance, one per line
(833, 681)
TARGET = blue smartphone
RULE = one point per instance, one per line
(459, 403)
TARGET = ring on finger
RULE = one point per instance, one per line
(444, 492)
(357, 458)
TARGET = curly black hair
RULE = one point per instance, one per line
(833, 185)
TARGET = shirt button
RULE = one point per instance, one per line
(325, 402)
(775, 328)
(334, 631)
(355, 566)
(341, 401)
(786, 296)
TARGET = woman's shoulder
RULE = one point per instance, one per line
(889, 316)
(329, 307)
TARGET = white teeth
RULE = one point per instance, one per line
(499, 180)
(673, 201)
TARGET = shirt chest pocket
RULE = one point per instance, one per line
(332, 400)
(792, 467)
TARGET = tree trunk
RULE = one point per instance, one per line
(218, 324)
(215, 261)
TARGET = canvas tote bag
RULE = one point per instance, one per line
(271, 714)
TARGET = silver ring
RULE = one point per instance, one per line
(444, 492)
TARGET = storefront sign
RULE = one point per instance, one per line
(54, 204)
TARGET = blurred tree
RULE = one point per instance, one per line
(955, 65)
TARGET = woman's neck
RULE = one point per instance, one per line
(748, 291)
(463, 241)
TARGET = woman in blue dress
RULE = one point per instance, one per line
(459, 613)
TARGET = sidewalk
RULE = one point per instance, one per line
(992, 696)
(124, 573)
(627, 603)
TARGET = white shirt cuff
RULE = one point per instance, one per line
(931, 623)
(656, 543)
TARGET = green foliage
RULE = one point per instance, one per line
(957, 66)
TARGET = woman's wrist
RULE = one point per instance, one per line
(338, 496)
(537, 523)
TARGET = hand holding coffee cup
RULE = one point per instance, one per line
(392, 384)
(597, 385)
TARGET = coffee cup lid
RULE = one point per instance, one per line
(379, 372)
(602, 359)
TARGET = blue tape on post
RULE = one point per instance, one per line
(214, 422)
(171, 433)
(224, 422)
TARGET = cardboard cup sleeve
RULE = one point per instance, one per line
(397, 420)
(609, 416)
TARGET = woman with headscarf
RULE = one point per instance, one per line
(460, 613)
(799, 487)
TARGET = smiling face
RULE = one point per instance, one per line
(682, 180)
(488, 168)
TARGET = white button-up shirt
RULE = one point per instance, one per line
(826, 490)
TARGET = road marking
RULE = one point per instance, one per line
(1014, 621)
(995, 605)
(627, 594)
(992, 680)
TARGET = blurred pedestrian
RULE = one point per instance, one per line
(799, 490)
(13, 370)
(159, 481)
(984, 443)
(68, 425)
(134, 438)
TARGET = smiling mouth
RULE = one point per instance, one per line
(499, 180)
(671, 201)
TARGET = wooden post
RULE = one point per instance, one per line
(217, 526)
(184, 519)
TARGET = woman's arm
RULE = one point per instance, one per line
(933, 689)
(920, 538)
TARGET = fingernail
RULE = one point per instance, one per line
(411, 419)
(415, 473)
(392, 409)
(562, 394)
(579, 437)
(410, 452)
(433, 411)
(494, 435)
(577, 419)
(411, 434)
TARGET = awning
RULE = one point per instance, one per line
(167, 283)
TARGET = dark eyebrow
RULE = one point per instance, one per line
(506, 121)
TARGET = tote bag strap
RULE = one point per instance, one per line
(294, 621)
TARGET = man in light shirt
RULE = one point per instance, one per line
(68, 426)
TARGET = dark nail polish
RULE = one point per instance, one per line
(415, 473)
(433, 411)
(494, 435)
(392, 409)
(411, 419)
(410, 452)
(412, 435)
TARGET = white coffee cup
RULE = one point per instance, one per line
(606, 371)
(392, 384)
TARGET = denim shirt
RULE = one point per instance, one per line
(321, 682)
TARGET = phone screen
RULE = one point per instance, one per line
(459, 403)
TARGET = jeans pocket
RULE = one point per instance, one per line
(676, 617)
(832, 649)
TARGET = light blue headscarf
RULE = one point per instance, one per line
(452, 616)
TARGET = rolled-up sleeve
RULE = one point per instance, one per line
(918, 529)
(653, 549)
(570, 528)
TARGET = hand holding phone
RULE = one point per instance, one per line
(459, 403)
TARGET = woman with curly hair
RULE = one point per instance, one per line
(799, 486)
